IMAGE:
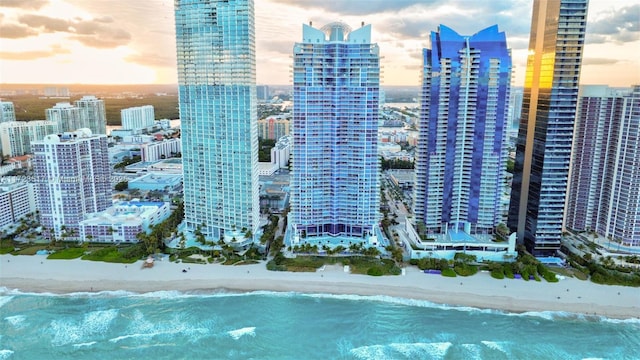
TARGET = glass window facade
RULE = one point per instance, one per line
(335, 186)
(217, 97)
(461, 151)
(543, 148)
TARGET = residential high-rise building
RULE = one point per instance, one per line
(273, 127)
(16, 136)
(543, 148)
(137, 118)
(68, 117)
(604, 189)
(262, 92)
(95, 113)
(16, 201)
(335, 186)
(7, 111)
(461, 152)
(73, 179)
(217, 92)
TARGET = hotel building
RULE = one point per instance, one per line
(543, 148)
(335, 180)
(604, 190)
(217, 98)
(461, 152)
(73, 174)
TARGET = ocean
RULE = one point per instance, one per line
(267, 325)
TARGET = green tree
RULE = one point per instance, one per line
(122, 185)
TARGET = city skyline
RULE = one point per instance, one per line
(119, 42)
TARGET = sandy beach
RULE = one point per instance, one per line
(37, 274)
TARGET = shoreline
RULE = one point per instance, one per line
(38, 275)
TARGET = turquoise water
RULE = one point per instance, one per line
(264, 325)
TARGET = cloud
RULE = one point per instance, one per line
(619, 26)
(152, 59)
(354, 7)
(24, 4)
(13, 31)
(599, 61)
(279, 46)
(93, 33)
(33, 55)
(49, 24)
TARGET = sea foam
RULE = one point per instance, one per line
(407, 350)
(237, 334)
(5, 354)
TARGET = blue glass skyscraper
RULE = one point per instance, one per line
(216, 80)
(335, 187)
(545, 135)
(461, 151)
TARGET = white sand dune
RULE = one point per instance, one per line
(36, 274)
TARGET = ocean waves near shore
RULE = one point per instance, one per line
(272, 325)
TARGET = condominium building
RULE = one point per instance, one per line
(122, 222)
(217, 97)
(137, 118)
(16, 201)
(157, 150)
(604, 189)
(335, 180)
(16, 136)
(68, 117)
(274, 127)
(543, 148)
(73, 174)
(94, 112)
(7, 111)
(461, 152)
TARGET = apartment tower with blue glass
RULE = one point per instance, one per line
(335, 186)
(545, 135)
(461, 152)
(217, 97)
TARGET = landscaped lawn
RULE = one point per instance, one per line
(70, 253)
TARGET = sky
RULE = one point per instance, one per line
(132, 41)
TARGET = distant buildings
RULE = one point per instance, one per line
(16, 201)
(215, 43)
(138, 118)
(95, 114)
(335, 180)
(280, 155)
(461, 153)
(543, 148)
(52, 91)
(7, 111)
(604, 192)
(16, 136)
(68, 117)
(73, 179)
(122, 222)
(274, 127)
(262, 92)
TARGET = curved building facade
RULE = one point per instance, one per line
(461, 152)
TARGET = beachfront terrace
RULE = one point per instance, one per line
(445, 246)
